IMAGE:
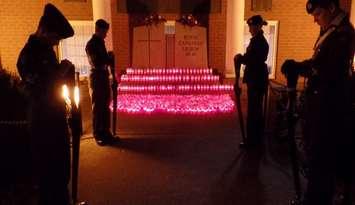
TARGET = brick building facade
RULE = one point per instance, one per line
(20, 18)
(296, 36)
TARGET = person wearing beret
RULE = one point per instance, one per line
(328, 140)
(256, 78)
(43, 77)
(99, 60)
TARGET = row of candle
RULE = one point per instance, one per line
(170, 79)
(175, 89)
(175, 104)
(163, 71)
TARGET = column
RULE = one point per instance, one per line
(235, 33)
(352, 12)
(352, 19)
(102, 10)
(0, 61)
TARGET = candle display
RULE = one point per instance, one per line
(175, 104)
(169, 78)
(176, 89)
(173, 91)
(161, 71)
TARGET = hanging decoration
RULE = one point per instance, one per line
(188, 20)
(153, 19)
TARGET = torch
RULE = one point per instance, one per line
(77, 131)
(71, 94)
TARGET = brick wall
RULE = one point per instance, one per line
(74, 10)
(18, 19)
(217, 38)
(346, 5)
(297, 30)
(120, 36)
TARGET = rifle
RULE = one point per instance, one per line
(237, 91)
(114, 86)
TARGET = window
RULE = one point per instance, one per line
(73, 48)
(270, 33)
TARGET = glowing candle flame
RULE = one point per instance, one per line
(65, 94)
(76, 96)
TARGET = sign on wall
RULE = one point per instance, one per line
(190, 46)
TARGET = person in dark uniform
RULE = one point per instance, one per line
(328, 141)
(99, 60)
(43, 77)
(256, 78)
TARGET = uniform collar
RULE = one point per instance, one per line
(97, 37)
(35, 40)
(336, 21)
(332, 27)
(259, 34)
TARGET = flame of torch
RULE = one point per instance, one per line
(65, 94)
(76, 96)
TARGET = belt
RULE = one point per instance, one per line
(100, 69)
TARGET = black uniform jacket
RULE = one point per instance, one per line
(328, 94)
(39, 69)
(97, 53)
(256, 72)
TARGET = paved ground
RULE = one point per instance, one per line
(181, 160)
(168, 160)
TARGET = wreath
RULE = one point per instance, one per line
(188, 20)
(153, 19)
